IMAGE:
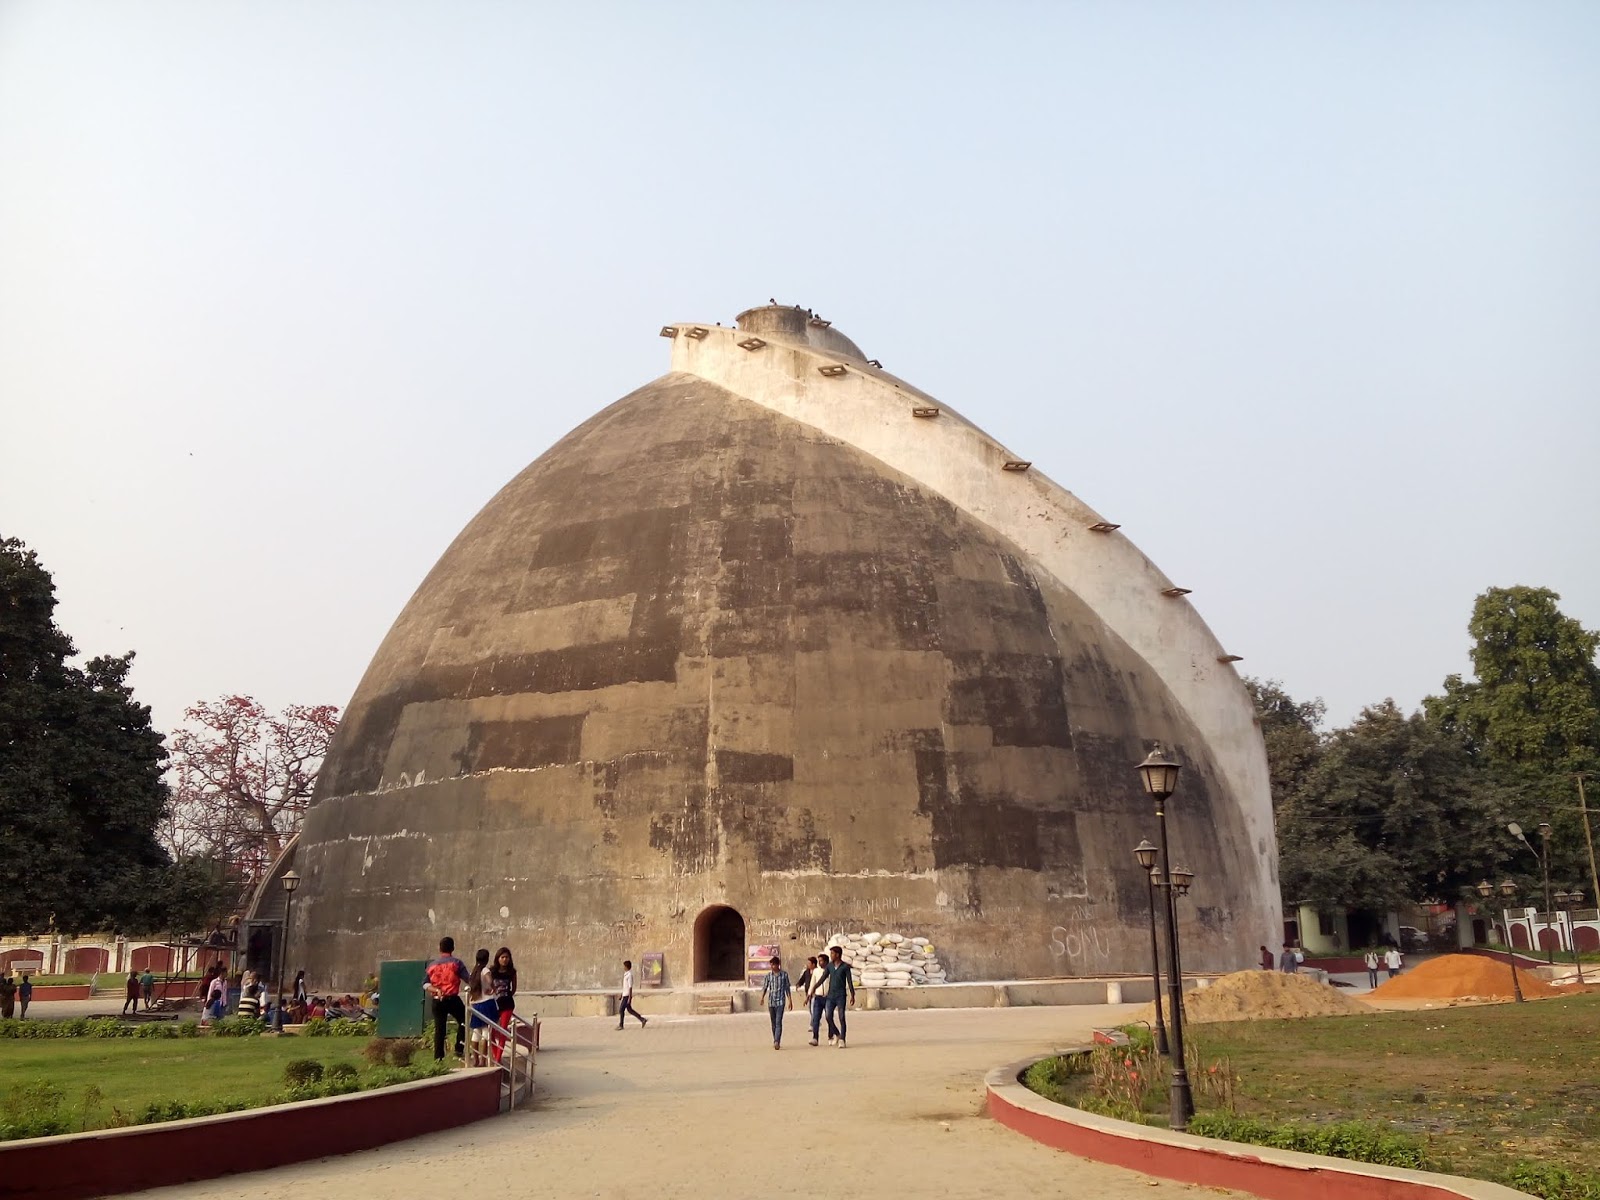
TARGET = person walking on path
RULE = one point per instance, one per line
(8, 995)
(625, 1004)
(777, 991)
(25, 994)
(1372, 967)
(803, 984)
(1392, 960)
(442, 980)
(131, 994)
(817, 995)
(1289, 963)
(147, 988)
(1266, 959)
(841, 983)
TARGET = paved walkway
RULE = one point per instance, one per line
(703, 1108)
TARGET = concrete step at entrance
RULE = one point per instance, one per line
(707, 1004)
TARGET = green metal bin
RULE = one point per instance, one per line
(402, 1006)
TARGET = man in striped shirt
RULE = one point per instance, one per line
(776, 990)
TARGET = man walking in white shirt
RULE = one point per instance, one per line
(626, 1005)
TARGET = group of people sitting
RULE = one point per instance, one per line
(255, 1001)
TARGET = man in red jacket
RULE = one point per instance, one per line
(442, 980)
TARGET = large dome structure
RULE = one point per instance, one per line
(775, 646)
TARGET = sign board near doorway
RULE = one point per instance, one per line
(755, 964)
(654, 968)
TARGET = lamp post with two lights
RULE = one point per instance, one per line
(1566, 902)
(1507, 890)
(1159, 775)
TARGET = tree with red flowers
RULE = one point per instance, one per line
(242, 779)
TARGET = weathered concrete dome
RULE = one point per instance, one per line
(777, 646)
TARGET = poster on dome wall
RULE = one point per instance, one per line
(756, 964)
(654, 968)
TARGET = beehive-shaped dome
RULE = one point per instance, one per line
(761, 653)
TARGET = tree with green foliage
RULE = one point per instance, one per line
(81, 790)
(1290, 729)
(1386, 811)
(1531, 719)
(1536, 699)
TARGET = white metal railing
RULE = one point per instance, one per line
(516, 1043)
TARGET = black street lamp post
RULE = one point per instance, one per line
(1160, 777)
(1181, 881)
(1507, 890)
(1544, 866)
(1566, 902)
(1543, 855)
(1145, 855)
(290, 882)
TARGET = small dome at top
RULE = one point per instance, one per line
(787, 323)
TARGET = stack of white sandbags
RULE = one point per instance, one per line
(889, 959)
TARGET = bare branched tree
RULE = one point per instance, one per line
(242, 778)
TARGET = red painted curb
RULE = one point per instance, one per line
(109, 1161)
(1213, 1163)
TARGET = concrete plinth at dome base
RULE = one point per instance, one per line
(1210, 1162)
(990, 994)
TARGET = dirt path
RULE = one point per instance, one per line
(703, 1108)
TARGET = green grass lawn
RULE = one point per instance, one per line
(1484, 1088)
(133, 1072)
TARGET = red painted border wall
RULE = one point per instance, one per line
(178, 989)
(1229, 1165)
(45, 993)
(109, 1161)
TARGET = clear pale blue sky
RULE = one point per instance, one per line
(1306, 296)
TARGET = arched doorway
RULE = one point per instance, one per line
(719, 945)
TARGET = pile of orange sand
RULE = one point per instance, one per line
(1462, 977)
(1261, 996)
